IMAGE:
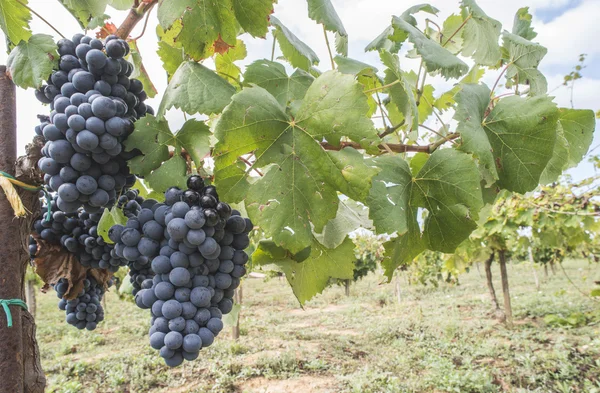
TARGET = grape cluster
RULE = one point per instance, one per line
(85, 311)
(94, 104)
(194, 244)
(78, 233)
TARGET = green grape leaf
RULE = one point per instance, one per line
(109, 218)
(302, 179)
(401, 94)
(169, 11)
(522, 133)
(346, 65)
(349, 217)
(14, 20)
(578, 127)
(522, 24)
(447, 187)
(408, 14)
(335, 106)
(447, 100)
(472, 103)
(139, 71)
(171, 173)
(383, 42)
(559, 160)
(150, 137)
(169, 51)
(524, 57)
(253, 15)
(225, 62)
(311, 276)
(207, 26)
(195, 88)
(85, 10)
(323, 12)
(435, 57)
(426, 103)
(121, 5)
(595, 292)
(272, 77)
(194, 137)
(480, 35)
(294, 50)
(31, 62)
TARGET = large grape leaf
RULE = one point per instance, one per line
(323, 12)
(272, 77)
(524, 57)
(14, 20)
(302, 179)
(195, 88)
(401, 94)
(85, 10)
(310, 276)
(350, 216)
(578, 127)
(522, 133)
(294, 50)
(253, 15)
(139, 71)
(225, 62)
(335, 106)
(31, 62)
(447, 187)
(435, 57)
(480, 35)
(522, 24)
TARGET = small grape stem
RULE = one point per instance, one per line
(273, 48)
(41, 17)
(382, 87)
(245, 161)
(498, 80)
(135, 15)
(145, 23)
(457, 30)
(391, 129)
(394, 147)
(328, 48)
(438, 134)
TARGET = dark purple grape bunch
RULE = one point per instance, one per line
(93, 105)
(195, 246)
(85, 311)
(78, 234)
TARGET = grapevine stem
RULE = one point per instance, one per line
(437, 133)
(498, 80)
(145, 23)
(245, 161)
(390, 130)
(382, 87)
(457, 30)
(41, 17)
(273, 49)
(395, 147)
(436, 25)
(135, 15)
(328, 48)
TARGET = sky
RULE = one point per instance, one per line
(567, 28)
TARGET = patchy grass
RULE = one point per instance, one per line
(436, 340)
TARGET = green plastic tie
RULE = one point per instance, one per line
(11, 302)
